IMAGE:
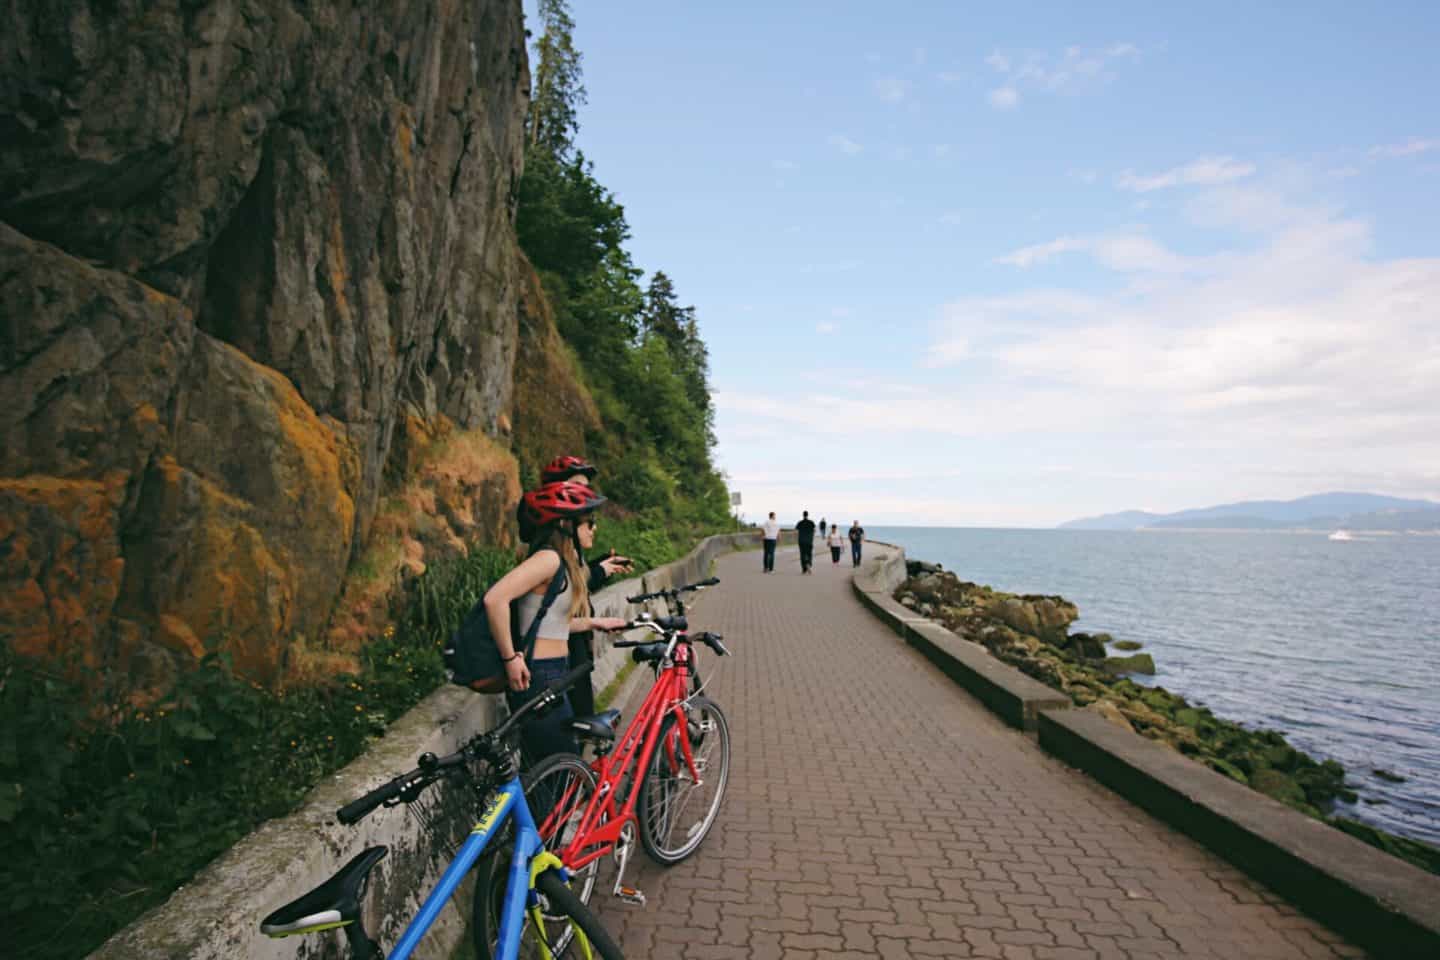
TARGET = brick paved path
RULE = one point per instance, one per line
(876, 810)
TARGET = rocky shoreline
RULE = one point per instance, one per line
(1032, 633)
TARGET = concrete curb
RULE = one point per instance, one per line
(1014, 697)
(1380, 902)
(216, 916)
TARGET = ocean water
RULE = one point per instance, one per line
(1335, 644)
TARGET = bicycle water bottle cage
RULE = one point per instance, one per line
(335, 903)
(649, 652)
(599, 727)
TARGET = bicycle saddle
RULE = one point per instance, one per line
(597, 726)
(334, 903)
(648, 652)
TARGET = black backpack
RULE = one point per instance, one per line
(472, 657)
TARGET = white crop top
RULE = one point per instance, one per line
(555, 626)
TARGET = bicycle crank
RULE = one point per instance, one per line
(623, 849)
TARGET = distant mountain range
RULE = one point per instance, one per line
(1322, 511)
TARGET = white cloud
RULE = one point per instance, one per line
(941, 150)
(1409, 148)
(1004, 98)
(825, 327)
(783, 164)
(1083, 176)
(844, 144)
(1128, 251)
(1306, 353)
(1075, 69)
(890, 89)
(1203, 171)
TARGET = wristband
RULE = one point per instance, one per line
(511, 657)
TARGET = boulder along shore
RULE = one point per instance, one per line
(1032, 633)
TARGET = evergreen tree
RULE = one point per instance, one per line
(558, 93)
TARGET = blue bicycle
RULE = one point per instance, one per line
(541, 913)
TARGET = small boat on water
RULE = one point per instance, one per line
(1341, 535)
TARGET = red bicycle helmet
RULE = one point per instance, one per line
(561, 501)
(563, 468)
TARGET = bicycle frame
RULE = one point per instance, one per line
(506, 802)
(635, 750)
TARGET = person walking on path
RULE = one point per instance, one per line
(822, 528)
(836, 544)
(805, 536)
(857, 537)
(771, 532)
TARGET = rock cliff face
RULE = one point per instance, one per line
(245, 245)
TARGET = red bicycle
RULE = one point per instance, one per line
(664, 779)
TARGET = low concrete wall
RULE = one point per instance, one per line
(1016, 698)
(216, 916)
(1378, 901)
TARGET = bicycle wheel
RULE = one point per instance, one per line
(674, 811)
(557, 791)
(561, 902)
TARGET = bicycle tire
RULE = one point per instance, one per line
(491, 872)
(565, 903)
(655, 834)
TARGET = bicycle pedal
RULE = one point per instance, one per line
(630, 895)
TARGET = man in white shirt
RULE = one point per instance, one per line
(771, 532)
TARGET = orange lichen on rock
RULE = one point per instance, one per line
(461, 492)
(60, 563)
(405, 141)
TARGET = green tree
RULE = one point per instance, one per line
(553, 119)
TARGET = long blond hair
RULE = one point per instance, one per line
(559, 538)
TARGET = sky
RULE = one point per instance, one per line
(967, 264)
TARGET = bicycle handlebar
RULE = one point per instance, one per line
(675, 591)
(408, 786)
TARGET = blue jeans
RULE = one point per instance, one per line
(769, 555)
(550, 732)
(855, 551)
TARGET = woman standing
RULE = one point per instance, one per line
(564, 516)
(582, 642)
(836, 544)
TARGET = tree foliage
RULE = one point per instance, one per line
(640, 349)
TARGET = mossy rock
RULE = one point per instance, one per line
(1229, 769)
(1281, 757)
(1126, 645)
(1387, 776)
(1188, 717)
(1135, 663)
(1159, 700)
(1278, 786)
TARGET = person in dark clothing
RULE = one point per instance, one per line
(805, 537)
(582, 644)
(857, 537)
(822, 528)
